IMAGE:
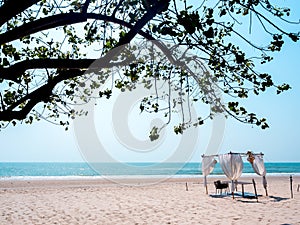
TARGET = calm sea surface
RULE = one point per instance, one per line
(148, 169)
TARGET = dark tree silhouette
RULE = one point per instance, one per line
(48, 45)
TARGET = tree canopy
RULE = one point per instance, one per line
(47, 47)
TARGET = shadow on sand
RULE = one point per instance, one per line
(237, 195)
(248, 198)
(278, 199)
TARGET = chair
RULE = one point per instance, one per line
(220, 186)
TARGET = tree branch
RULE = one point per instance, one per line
(85, 6)
(116, 8)
(60, 20)
(42, 24)
(44, 92)
(41, 94)
(11, 8)
(258, 14)
(14, 72)
(72, 18)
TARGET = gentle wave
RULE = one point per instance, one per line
(86, 171)
(116, 177)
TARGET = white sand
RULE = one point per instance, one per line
(103, 202)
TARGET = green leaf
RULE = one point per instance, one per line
(154, 134)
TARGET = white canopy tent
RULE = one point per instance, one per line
(232, 166)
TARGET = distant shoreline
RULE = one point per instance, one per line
(12, 182)
(100, 177)
(30, 171)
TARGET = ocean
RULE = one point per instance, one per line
(16, 170)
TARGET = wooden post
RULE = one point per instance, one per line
(265, 185)
(298, 187)
(186, 186)
(266, 192)
(254, 185)
(232, 189)
(243, 193)
(205, 184)
(291, 186)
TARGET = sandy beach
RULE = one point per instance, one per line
(169, 202)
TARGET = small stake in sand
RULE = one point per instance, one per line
(291, 186)
(186, 186)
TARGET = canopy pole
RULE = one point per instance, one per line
(232, 189)
(254, 185)
(291, 186)
(205, 184)
(266, 191)
(265, 185)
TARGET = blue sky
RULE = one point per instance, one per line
(43, 141)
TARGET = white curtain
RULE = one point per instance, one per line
(259, 168)
(232, 165)
(208, 164)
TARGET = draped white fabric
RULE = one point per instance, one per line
(259, 168)
(232, 165)
(208, 164)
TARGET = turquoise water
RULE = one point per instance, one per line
(84, 169)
